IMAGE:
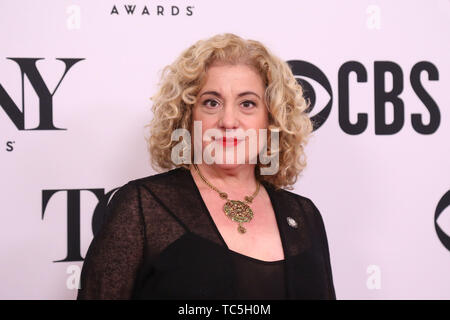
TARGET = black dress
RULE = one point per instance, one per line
(159, 241)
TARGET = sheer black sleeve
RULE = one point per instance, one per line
(116, 252)
(325, 249)
(320, 240)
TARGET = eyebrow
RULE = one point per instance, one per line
(215, 93)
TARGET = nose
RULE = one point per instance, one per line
(228, 119)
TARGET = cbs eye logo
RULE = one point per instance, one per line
(426, 122)
(443, 204)
(305, 69)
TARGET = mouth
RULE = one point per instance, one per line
(229, 141)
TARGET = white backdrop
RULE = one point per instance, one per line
(378, 193)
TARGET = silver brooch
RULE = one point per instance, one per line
(292, 222)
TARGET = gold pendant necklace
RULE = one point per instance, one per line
(236, 210)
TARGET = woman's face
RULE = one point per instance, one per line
(231, 98)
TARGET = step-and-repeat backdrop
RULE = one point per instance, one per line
(76, 79)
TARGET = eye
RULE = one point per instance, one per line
(248, 104)
(211, 103)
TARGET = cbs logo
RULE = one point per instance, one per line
(384, 97)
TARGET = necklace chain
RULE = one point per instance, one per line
(236, 210)
(224, 195)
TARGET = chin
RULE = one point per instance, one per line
(229, 166)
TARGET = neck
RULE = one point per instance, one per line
(238, 178)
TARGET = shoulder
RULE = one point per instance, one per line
(177, 175)
(303, 201)
(296, 196)
(130, 192)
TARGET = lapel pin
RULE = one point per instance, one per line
(292, 222)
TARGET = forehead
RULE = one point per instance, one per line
(236, 76)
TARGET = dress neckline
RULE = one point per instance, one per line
(206, 210)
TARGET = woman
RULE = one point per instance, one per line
(213, 228)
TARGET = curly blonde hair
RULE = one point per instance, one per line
(182, 80)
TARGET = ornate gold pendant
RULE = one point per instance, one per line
(238, 211)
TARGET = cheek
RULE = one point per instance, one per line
(266, 120)
(198, 115)
(261, 121)
(195, 113)
(205, 122)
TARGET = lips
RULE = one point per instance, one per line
(230, 141)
